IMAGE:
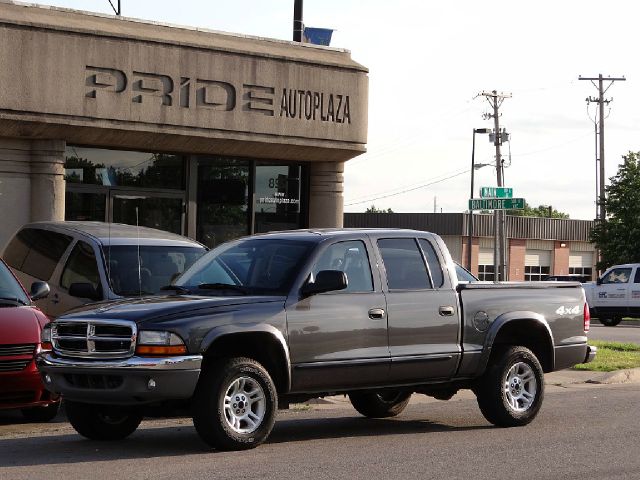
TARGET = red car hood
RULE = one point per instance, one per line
(19, 325)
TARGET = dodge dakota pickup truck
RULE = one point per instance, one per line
(267, 320)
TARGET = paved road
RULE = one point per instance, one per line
(583, 431)
(621, 333)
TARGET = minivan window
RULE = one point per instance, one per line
(36, 252)
(81, 267)
(133, 269)
(404, 264)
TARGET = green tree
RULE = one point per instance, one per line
(373, 209)
(618, 236)
(539, 211)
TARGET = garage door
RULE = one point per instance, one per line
(537, 265)
(485, 264)
(581, 263)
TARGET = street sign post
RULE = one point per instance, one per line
(496, 192)
(496, 204)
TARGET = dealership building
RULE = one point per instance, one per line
(207, 134)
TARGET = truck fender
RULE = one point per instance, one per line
(508, 319)
(227, 330)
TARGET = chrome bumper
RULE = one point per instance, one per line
(130, 381)
(47, 360)
(591, 354)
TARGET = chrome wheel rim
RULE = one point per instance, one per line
(244, 405)
(520, 387)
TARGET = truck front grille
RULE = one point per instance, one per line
(14, 350)
(94, 338)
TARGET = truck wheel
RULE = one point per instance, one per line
(610, 322)
(235, 404)
(511, 391)
(102, 422)
(383, 404)
(41, 414)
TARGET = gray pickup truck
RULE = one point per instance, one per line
(264, 321)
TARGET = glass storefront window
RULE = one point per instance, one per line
(113, 168)
(85, 206)
(155, 212)
(223, 199)
(277, 197)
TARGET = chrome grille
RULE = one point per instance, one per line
(94, 338)
(13, 365)
(22, 349)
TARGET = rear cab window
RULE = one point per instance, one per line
(36, 252)
(404, 264)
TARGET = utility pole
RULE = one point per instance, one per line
(601, 101)
(495, 99)
(298, 26)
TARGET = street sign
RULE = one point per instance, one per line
(496, 192)
(496, 204)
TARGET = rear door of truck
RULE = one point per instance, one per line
(422, 309)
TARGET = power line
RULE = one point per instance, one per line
(407, 190)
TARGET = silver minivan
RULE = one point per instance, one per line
(87, 262)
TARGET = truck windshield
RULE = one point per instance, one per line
(156, 266)
(264, 266)
(10, 292)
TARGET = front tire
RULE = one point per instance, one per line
(382, 404)
(511, 391)
(102, 422)
(610, 322)
(235, 404)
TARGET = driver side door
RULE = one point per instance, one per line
(339, 339)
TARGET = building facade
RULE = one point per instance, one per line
(536, 247)
(201, 133)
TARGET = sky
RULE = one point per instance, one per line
(428, 60)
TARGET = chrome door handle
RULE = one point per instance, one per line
(446, 311)
(376, 313)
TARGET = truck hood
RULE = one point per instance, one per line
(152, 308)
(19, 325)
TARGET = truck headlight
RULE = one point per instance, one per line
(153, 342)
(45, 338)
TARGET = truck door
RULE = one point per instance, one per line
(634, 294)
(422, 310)
(339, 339)
(613, 292)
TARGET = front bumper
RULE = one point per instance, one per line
(135, 380)
(24, 389)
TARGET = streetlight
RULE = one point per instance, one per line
(474, 167)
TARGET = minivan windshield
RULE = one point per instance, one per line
(257, 266)
(11, 294)
(135, 270)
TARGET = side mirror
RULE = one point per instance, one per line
(326, 281)
(599, 281)
(84, 290)
(39, 290)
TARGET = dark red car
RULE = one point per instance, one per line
(20, 325)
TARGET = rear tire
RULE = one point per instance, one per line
(102, 422)
(41, 414)
(235, 404)
(510, 393)
(382, 404)
(610, 322)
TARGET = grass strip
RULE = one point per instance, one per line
(612, 356)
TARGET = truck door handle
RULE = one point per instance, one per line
(376, 313)
(446, 311)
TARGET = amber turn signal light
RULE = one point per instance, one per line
(161, 350)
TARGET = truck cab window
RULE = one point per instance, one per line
(617, 275)
(350, 258)
(404, 264)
